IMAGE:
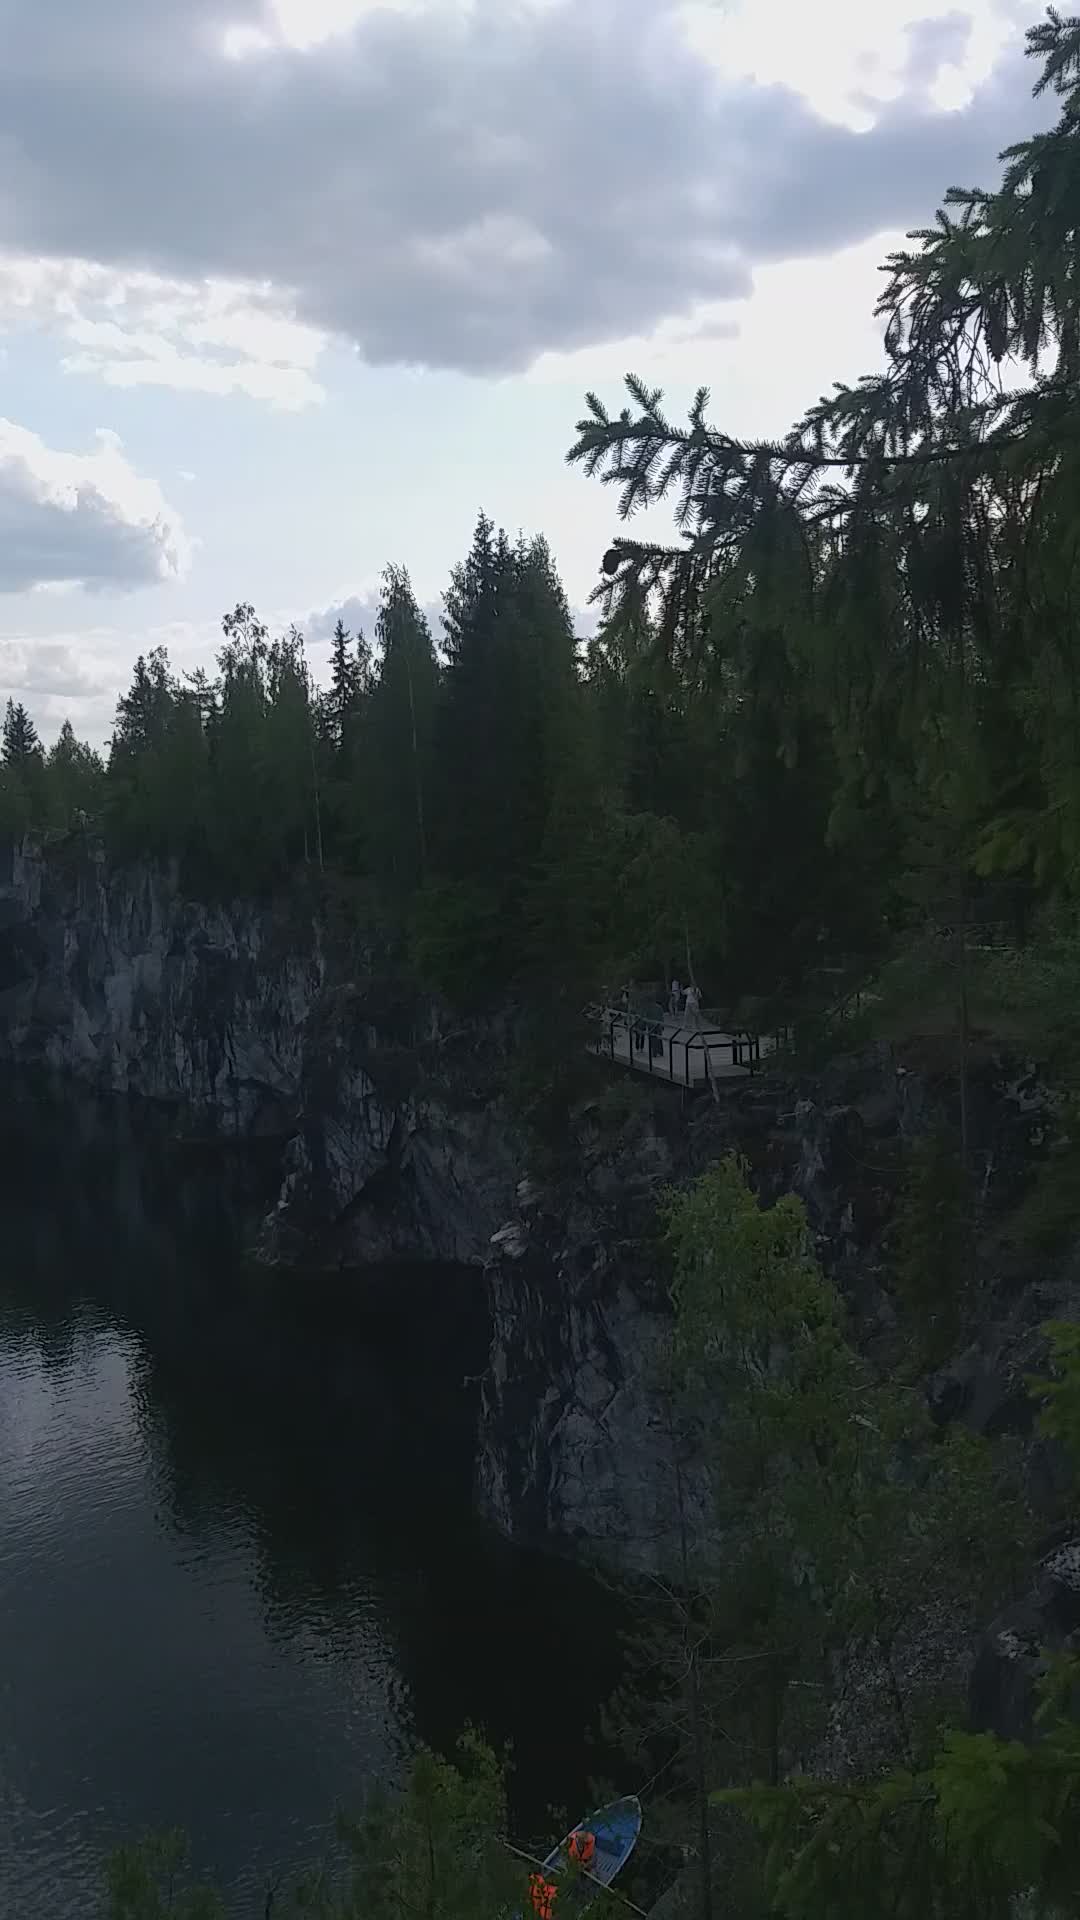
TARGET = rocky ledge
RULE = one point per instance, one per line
(396, 1140)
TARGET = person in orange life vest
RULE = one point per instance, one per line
(582, 1848)
(542, 1893)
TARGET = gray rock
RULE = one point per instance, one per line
(1013, 1655)
(396, 1143)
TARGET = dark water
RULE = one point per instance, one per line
(238, 1571)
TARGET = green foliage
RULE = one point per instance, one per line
(622, 896)
(20, 740)
(150, 1881)
(1048, 1217)
(988, 1829)
(837, 1516)
(749, 1297)
(933, 1246)
(457, 941)
(979, 1827)
(15, 809)
(22, 761)
(886, 597)
(435, 1850)
(74, 781)
(1059, 1394)
(157, 798)
(1039, 984)
(350, 686)
(394, 780)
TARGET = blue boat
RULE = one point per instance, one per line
(593, 1852)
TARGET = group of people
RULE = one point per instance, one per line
(683, 1003)
(684, 1000)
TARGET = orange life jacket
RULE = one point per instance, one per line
(542, 1894)
(582, 1847)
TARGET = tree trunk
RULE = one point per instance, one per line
(964, 1035)
(697, 1728)
(318, 817)
(774, 1722)
(417, 782)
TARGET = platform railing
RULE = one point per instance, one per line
(686, 1053)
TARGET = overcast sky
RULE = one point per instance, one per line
(292, 288)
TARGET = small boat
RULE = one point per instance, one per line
(595, 1851)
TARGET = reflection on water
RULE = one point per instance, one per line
(238, 1571)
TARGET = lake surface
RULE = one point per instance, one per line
(238, 1571)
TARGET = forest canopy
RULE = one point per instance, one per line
(845, 698)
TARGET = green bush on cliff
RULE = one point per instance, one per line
(934, 1246)
(981, 1828)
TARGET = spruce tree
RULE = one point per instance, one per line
(395, 784)
(75, 780)
(897, 575)
(505, 747)
(476, 721)
(350, 684)
(21, 745)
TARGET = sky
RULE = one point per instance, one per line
(291, 289)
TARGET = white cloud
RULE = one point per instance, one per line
(357, 608)
(464, 186)
(143, 329)
(848, 60)
(78, 675)
(82, 519)
(50, 669)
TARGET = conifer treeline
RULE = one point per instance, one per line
(510, 803)
(850, 693)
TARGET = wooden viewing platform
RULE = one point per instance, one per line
(686, 1050)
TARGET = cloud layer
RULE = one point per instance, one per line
(77, 675)
(453, 188)
(359, 612)
(143, 329)
(81, 519)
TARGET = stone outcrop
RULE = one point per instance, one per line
(395, 1141)
(248, 1023)
(116, 979)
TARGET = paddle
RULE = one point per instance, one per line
(584, 1874)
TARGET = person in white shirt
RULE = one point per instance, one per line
(692, 1004)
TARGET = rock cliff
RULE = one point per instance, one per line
(395, 1140)
(249, 1024)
